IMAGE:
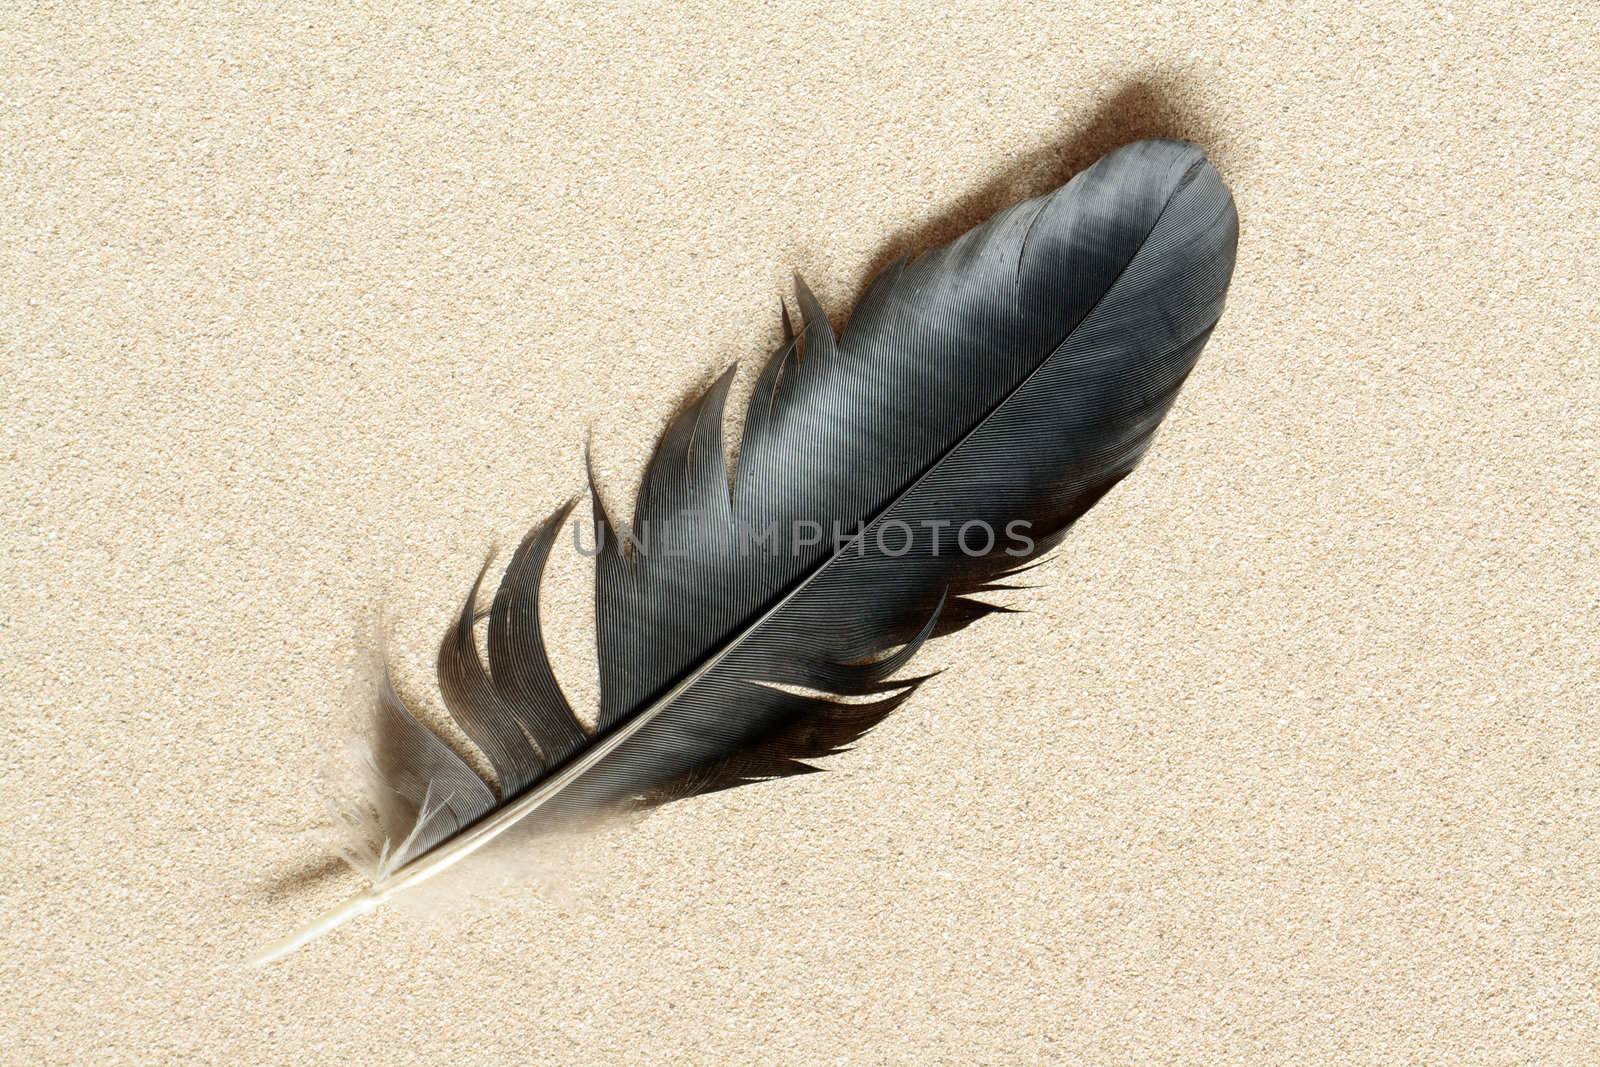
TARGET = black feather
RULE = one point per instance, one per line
(1015, 375)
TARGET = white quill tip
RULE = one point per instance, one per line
(358, 905)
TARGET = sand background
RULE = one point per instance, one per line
(1292, 759)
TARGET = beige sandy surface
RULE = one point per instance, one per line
(1293, 759)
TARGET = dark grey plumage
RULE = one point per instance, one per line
(1015, 374)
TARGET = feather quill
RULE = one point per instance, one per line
(984, 396)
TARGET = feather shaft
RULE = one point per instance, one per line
(1015, 375)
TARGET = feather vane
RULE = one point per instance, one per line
(984, 396)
